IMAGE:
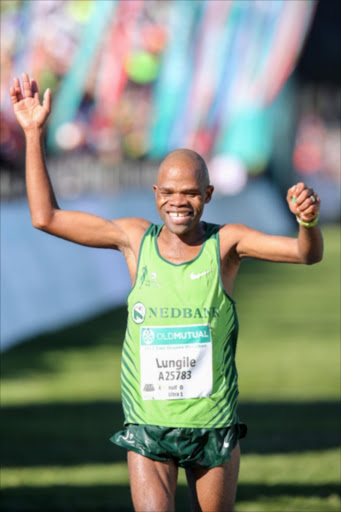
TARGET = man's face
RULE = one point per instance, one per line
(181, 195)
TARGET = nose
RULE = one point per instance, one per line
(178, 199)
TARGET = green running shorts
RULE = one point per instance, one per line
(188, 447)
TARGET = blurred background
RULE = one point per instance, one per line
(254, 87)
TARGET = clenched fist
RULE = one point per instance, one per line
(303, 202)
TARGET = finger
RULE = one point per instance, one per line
(303, 196)
(299, 187)
(295, 191)
(13, 95)
(310, 206)
(26, 86)
(290, 193)
(311, 200)
(34, 88)
(314, 198)
(17, 87)
(312, 211)
(47, 100)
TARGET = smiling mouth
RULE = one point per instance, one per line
(178, 215)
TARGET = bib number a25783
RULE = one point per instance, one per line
(176, 362)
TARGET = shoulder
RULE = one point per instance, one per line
(230, 236)
(132, 224)
(132, 230)
(233, 231)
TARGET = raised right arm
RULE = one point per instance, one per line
(79, 227)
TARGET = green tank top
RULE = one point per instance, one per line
(178, 358)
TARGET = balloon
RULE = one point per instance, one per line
(142, 67)
(154, 38)
(80, 10)
(228, 174)
(69, 136)
(134, 144)
(48, 79)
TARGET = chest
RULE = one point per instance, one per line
(167, 276)
(178, 254)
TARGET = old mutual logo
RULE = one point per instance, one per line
(139, 313)
(148, 336)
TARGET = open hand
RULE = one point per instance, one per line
(303, 202)
(30, 113)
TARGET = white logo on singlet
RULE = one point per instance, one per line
(148, 336)
(139, 313)
(196, 276)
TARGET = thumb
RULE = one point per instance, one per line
(292, 190)
(290, 194)
(47, 100)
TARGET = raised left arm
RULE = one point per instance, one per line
(306, 248)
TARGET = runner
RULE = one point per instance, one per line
(179, 379)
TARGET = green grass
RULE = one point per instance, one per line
(60, 401)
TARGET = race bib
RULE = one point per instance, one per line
(176, 362)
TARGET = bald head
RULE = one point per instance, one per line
(189, 159)
(183, 188)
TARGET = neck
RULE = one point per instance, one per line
(192, 237)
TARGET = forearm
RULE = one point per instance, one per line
(310, 244)
(79, 227)
(40, 194)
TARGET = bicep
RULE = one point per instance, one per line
(91, 230)
(255, 244)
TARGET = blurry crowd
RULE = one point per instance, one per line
(134, 79)
(317, 147)
(43, 37)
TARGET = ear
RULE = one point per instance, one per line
(209, 192)
(155, 188)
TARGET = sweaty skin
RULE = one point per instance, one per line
(181, 192)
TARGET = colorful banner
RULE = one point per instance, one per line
(172, 86)
(292, 29)
(155, 75)
(269, 40)
(22, 57)
(112, 77)
(205, 79)
(258, 45)
(70, 93)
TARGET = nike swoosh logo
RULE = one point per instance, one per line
(196, 276)
(127, 440)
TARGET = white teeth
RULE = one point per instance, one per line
(177, 214)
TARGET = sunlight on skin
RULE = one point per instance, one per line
(296, 469)
(90, 474)
(64, 378)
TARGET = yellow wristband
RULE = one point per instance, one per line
(310, 224)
